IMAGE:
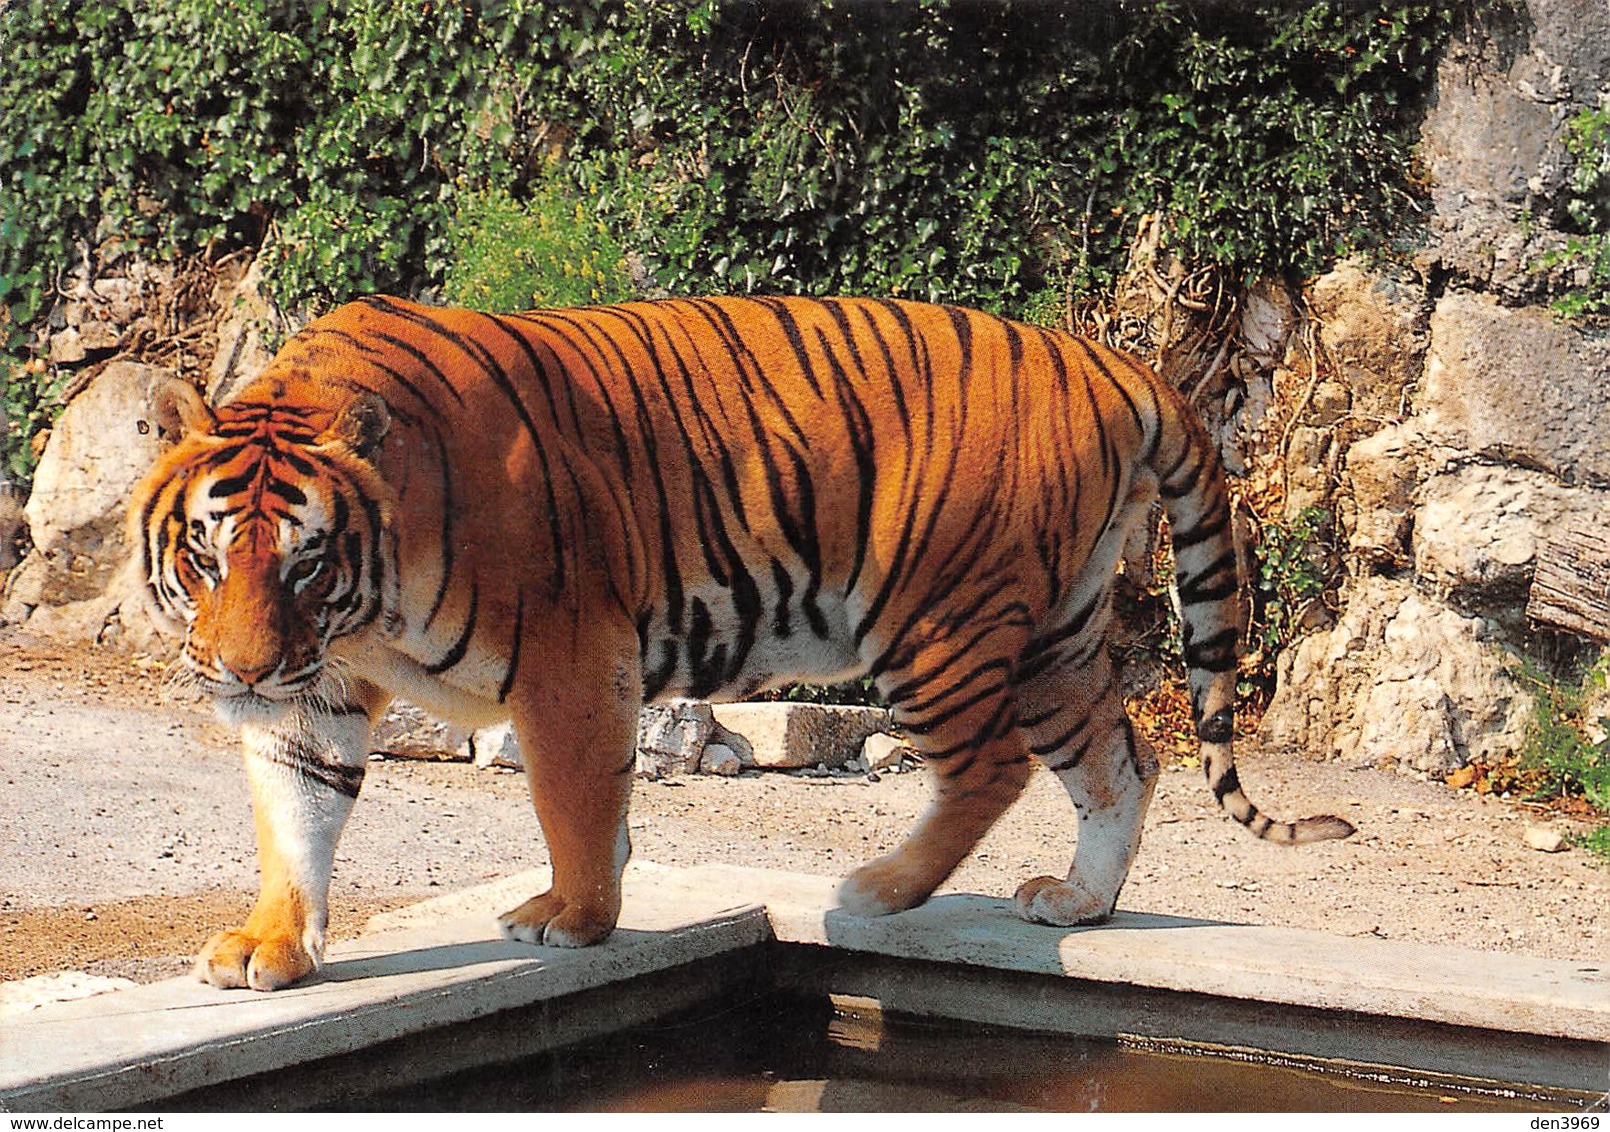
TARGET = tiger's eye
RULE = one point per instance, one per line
(304, 571)
(204, 562)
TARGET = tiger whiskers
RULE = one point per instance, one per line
(179, 677)
(330, 691)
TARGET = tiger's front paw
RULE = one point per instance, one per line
(235, 959)
(551, 919)
(883, 887)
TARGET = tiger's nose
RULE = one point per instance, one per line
(249, 674)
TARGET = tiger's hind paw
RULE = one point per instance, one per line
(551, 920)
(235, 959)
(1061, 903)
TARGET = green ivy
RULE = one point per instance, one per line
(1558, 747)
(1587, 216)
(993, 154)
(1291, 577)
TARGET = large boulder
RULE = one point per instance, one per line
(786, 736)
(1478, 529)
(1518, 387)
(77, 582)
(1400, 681)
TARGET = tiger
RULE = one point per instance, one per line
(558, 515)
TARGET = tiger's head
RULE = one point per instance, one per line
(264, 535)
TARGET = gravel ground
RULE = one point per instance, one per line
(127, 836)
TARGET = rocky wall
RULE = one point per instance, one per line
(1472, 431)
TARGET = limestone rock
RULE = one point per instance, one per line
(495, 746)
(882, 750)
(1376, 506)
(11, 519)
(249, 323)
(1516, 386)
(409, 731)
(1399, 681)
(671, 738)
(1374, 330)
(1308, 470)
(102, 444)
(1477, 531)
(718, 758)
(794, 735)
(734, 742)
(1493, 140)
(1544, 839)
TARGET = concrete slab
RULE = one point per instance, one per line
(135, 1046)
(1384, 978)
(441, 963)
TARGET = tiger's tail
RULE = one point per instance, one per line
(1195, 498)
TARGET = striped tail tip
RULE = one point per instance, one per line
(1324, 827)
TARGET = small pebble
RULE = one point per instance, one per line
(1544, 839)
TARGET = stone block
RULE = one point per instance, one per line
(409, 731)
(794, 735)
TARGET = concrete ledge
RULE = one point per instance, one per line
(136, 1046)
(441, 963)
(1383, 978)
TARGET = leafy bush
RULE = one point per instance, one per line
(549, 251)
(990, 154)
(1565, 762)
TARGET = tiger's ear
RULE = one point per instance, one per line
(361, 424)
(180, 411)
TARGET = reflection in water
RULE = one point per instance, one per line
(772, 1052)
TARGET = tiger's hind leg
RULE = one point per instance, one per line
(579, 738)
(953, 699)
(1074, 716)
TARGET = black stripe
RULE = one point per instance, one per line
(1218, 727)
(1169, 491)
(862, 441)
(784, 581)
(460, 646)
(1200, 585)
(1204, 530)
(1229, 784)
(1216, 654)
(708, 667)
(234, 485)
(515, 641)
(342, 779)
(287, 491)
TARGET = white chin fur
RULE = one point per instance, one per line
(250, 708)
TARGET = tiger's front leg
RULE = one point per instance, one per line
(577, 722)
(305, 772)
